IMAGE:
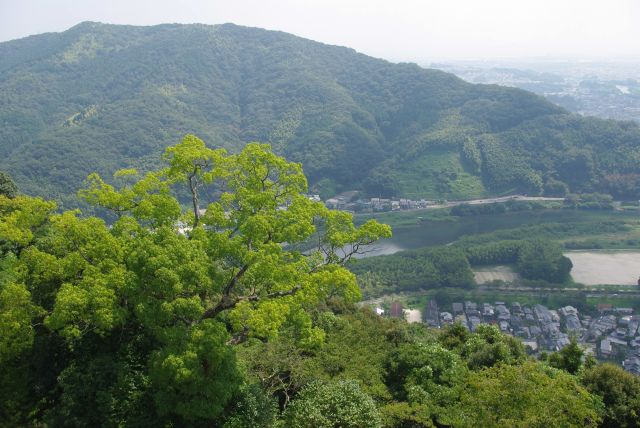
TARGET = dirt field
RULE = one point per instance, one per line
(413, 315)
(605, 267)
(488, 274)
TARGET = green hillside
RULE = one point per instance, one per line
(100, 97)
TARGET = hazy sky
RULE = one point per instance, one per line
(413, 30)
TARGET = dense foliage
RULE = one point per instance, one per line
(341, 403)
(619, 391)
(591, 201)
(416, 377)
(134, 321)
(545, 261)
(450, 266)
(8, 187)
(527, 395)
(102, 97)
(411, 270)
(535, 259)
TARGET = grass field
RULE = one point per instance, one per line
(485, 274)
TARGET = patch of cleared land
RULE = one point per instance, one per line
(605, 267)
(412, 315)
(493, 273)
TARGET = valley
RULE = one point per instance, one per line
(226, 226)
(606, 265)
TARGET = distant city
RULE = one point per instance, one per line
(612, 334)
(610, 90)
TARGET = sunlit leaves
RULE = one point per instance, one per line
(487, 347)
(527, 395)
(149, 199)
(190, 155)
(194, 373)
(80, 309)
(16, 314)
(336, 404)
(20, 217)
(8, 187)
(185, 291)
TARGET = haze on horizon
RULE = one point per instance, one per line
(404, 30)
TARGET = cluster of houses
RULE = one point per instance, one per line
(345, 203)
(612, 334)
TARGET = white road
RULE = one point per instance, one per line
(495, 200)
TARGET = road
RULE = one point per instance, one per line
(450, 204)
(590, 292)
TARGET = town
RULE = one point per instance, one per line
(350, 201)
(611, 334)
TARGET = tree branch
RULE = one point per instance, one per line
(227, 303)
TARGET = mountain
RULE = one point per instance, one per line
(101, 97)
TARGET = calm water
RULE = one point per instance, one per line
(437, 232)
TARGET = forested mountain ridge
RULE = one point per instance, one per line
(100, 97)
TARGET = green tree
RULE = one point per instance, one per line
(356, 346)
(428, 377)
(148, 199)
(544, 260)
(487, 347)
(16, 313)
(8, 187)
(163, 295)
(406, 415)
(568, 358)
(527, 395)
(254, 407)
(191, 161)
(334, 404)
(620, 392)
(454, 336)
(471, 155)
(556, 188)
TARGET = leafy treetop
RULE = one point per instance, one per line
(191, 283)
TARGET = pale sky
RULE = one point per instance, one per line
(399, 30)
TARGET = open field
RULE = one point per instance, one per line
(485, 274)
(413, 315)
(605, 267)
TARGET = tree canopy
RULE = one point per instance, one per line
(619, 391)
(159, 296)
(7, 186)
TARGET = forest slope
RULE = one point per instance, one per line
(100, 97)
